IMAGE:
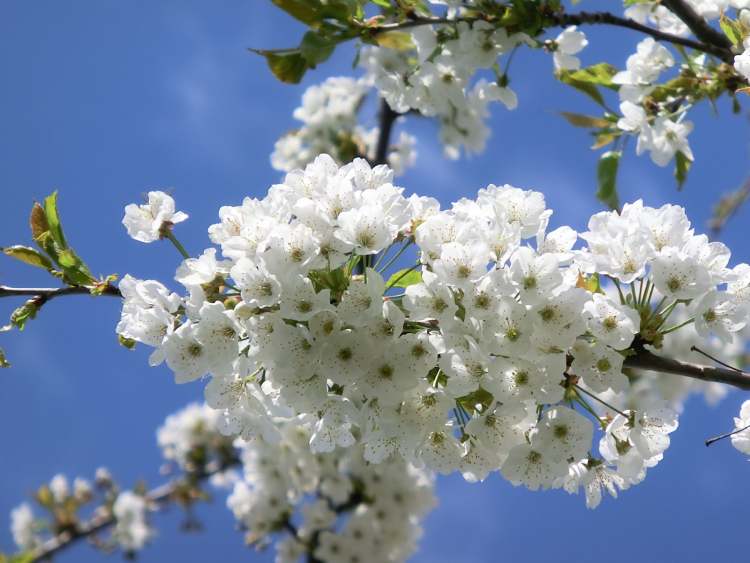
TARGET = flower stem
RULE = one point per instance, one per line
(177, 244)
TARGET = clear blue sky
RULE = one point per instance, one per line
(104, 100)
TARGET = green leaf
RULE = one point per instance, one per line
(589, 283)
(587, 121)
(587, 88)
(681, 168)
(732, 29)
(53, 220)
(382, 3)
(306, 11)
(25, 312)
(600, 74)
(38, 221)
(128, 343)
(75, 272)
(29, 256)
(316, 48)
(4, 363)
(606, 174)
(288, 66)
(588, 79)
(397, 40)
(404, 279)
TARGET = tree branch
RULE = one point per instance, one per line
(47, 293)
(104, 518)
(643, 359)
(699, 26)
(715, 46)
(718, 49)
(387, 119)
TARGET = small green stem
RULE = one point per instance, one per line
(619, 290)
(181, 249)
(399, 253)
(602, 401)
(403, 275)
(677, 327)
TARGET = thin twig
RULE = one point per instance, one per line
(160, 496)
(727, 435)
(643, 359)
(47, 293)
(710, 357)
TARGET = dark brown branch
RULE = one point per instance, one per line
(387, 118)
(47, 293)
(646, 360)
(699, 26)
(717, 48)
(104, 518)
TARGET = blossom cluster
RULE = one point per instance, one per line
(483, 360)
(436, 78)
(329, 125)
(741, 436)
(345, 509)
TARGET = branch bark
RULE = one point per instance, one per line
(387, 118)
(646, 360)
(699, 26)
(47, 293)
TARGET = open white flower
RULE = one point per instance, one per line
(145, 223)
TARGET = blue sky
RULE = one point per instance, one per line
(105, 100)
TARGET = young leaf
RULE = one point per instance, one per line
(732, 29)
(23, 313)
(38, 221)
(681, 168)
(587, 88)
(587, 121)
(404, 279)
(288, 66)
(606, 174)
(306, 11)
(397, 40)
(28, 255)
(316, 48)
(53, 220)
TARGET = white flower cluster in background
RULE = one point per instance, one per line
(64, 502)
(436, 79)
(344, 508)
(482, 363)
(132, 529)
(741, 437)
(329, 125)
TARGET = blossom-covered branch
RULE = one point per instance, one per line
(323, 507)
(104, 518)
(562, 19)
